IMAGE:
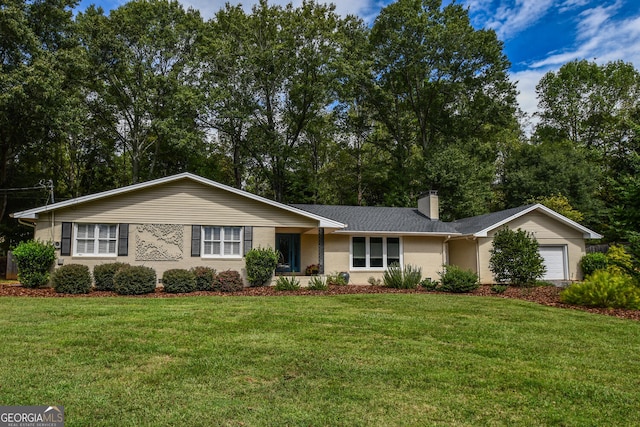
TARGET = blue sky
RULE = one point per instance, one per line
(539, 35)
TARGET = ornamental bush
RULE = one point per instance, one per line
(515, 259)
(318, 283)
(590, 263)
(429, 284)
(103, 275)
(134, 280)
(604, 289)
(261, 264)
(455, 279)
(204, 278)
(179, 281)
(396, 277)
(35, 259)
(620, 261)
(72, 279)
(285, 283)
(228, 281)
(337, 279)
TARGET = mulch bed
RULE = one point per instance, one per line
(545, 295)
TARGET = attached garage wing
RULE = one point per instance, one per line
(555, 260)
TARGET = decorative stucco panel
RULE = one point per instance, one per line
(159, 242)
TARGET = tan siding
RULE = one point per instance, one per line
(336, 253)
(424, 252)
(463, 254)
(308, 250)
(183, 202)
(547, 231)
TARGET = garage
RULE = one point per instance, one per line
(556, 262)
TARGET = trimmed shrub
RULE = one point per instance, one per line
(603, 289)
(35, 260)
(429, 284)
(374, 282)
(134, 280)
(455, 279)
(228, 281)
(515, 258)
(179, 281)
(396, 277)
(590, 263)
(103, 275)
(287, 283)
(205, 277)
(499, 289)
(336, 279)
(620, 261)
(318, 283)
(261, 264)
(72, 279)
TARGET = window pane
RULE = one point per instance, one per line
(103, 231)
(232, 233)
(112, 246)
(208, 232)
(216, 233)
(232, 248)
(103, 246)
(359, 252)
(208, 247)
(113, 231)
(393, 250)
(215, 248)
(82, 247)
(375, 251)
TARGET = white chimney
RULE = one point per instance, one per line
(429, 205)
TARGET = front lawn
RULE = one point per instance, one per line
(387, 359)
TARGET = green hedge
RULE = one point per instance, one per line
(35, 260)
(72, 279)
(261, 264)
(135, 280)
(228, 281)
(604, 289)
(205, 277)
(179, 281)
(455, 279)
(103, 275)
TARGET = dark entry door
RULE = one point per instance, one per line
(289, 247)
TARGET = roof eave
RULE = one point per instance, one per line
(587, 233)
(397, 233)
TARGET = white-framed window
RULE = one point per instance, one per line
(96, 239)
(222, 242)
(375, 252)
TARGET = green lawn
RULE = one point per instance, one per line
(389, 359)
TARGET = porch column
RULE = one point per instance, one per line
(321, 250)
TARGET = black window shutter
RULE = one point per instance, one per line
(195, 240)
(248, 239)
(65, 244)
(123, 240)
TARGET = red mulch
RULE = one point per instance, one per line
(545, 295)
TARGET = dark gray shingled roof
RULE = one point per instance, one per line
(474, 224)
(376, 218)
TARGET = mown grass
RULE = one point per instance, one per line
(378, 360)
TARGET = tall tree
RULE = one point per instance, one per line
(143, 95)
(272, 78)
(439, 82)
(36, 53)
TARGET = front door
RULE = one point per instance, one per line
(289, 247)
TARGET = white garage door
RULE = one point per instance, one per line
(555, 261)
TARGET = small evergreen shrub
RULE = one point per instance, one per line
(429, 284)
(287, 283)
(515, 258)
(72, 279)
(373, 281)
(261, 264)
(35, 260)
(499, 289)
(336, 279)
(590, 263)
(396, 277)
(179, 281)
(620, 261)
(103, 275)
(455, 279)
(318, 283)
(134, 280)
(228, 281)
(604, 289)
(205, 277)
